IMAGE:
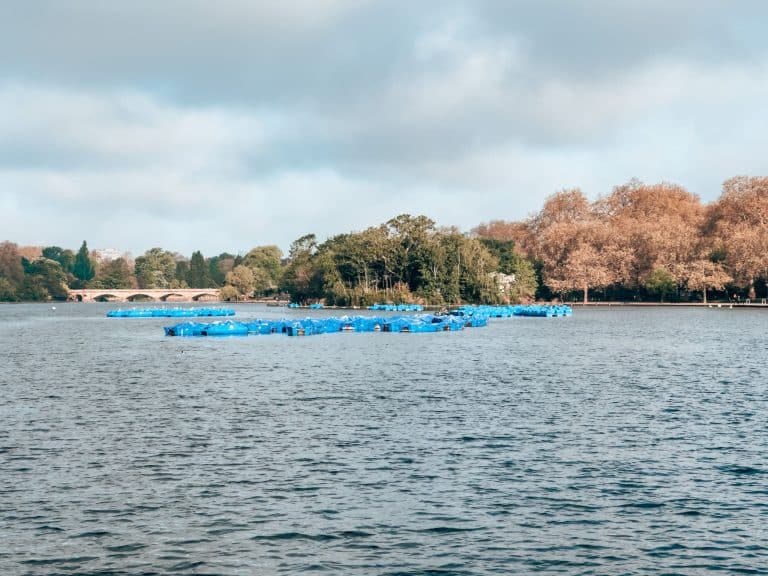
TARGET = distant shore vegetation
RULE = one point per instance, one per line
(641, 242)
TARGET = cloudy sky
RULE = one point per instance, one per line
(219, 126)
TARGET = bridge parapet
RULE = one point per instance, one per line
(152, 295)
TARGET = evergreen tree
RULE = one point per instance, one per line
(182, 273)
(83, 269)
(199, 274)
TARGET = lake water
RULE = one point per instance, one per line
(616, 441)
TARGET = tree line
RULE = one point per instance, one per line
(648, 242)
(639, 242)
(55, 271)
(407, 259)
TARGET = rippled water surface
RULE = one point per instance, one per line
(617, 441)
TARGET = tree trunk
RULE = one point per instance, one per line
(705, 294)
(586, 288)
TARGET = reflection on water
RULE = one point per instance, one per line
(616, 441)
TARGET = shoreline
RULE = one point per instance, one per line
(669, 304)
(284, 304)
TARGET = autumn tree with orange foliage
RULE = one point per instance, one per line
(655, 227)
(640, 233)
(517, 232)
(738, 224)
(574, 244)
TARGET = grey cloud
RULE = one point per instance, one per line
(347, 75)
(304, 52)
(302, 112)
(581, 38)
(203, 52)
(65, 130)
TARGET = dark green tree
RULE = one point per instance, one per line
(44, 279)
(301, 279)
(524, 285)
(65, 257)
(218, 267)
(266, 264)
(9, 292)
(410, 236)
(199, 275)
(115, 274)
(33, 289)
(182, 273)
(156, 268)
(478, 283)
(83, 268)
(660, 282)
(241, 278)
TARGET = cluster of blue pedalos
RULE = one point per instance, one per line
(312, 326)
(464, 317)
(517, 310)
(397, 307)
(170, 312)
(381, 307)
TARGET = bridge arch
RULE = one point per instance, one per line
(205, 296)
(106, 297)
(139, 297)
(171, 296)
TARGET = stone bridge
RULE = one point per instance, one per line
(146, 294)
